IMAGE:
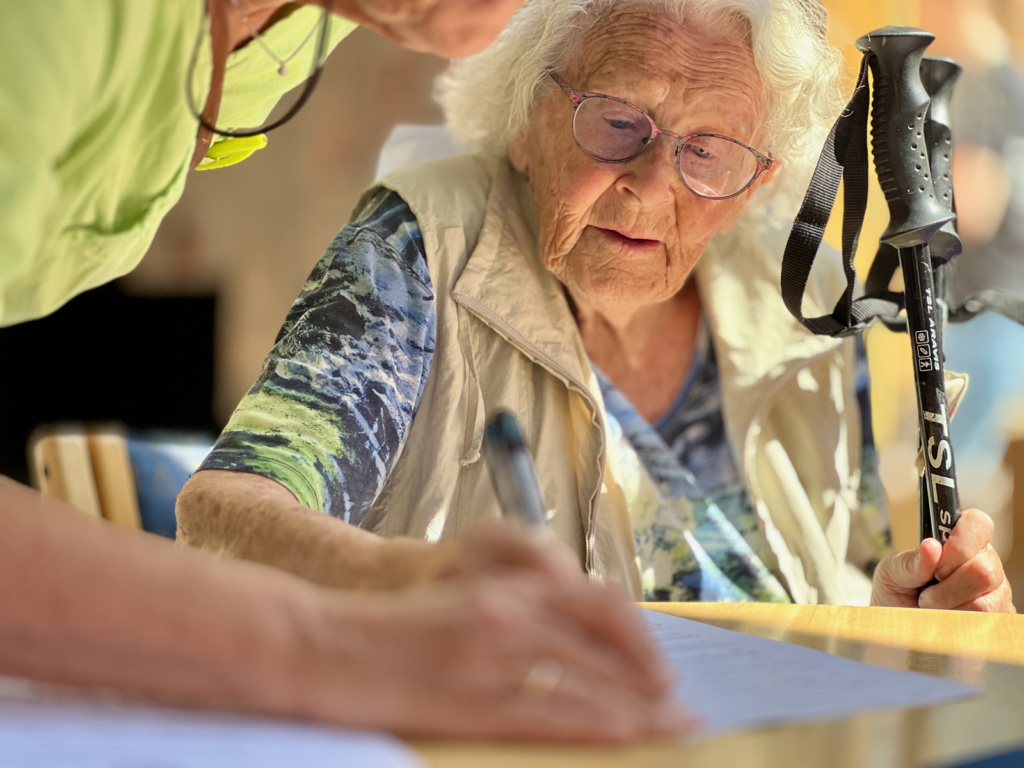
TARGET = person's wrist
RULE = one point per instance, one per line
(314, 664)
(330, 670)
(271, 668)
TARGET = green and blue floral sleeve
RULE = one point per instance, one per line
(329, 413)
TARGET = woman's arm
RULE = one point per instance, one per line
(255, 518)
(90, 605)
(322, 428)
(329, 413)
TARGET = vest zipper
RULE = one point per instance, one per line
(517, 340)
(749, 438)
(766, 400)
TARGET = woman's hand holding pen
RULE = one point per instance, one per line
(508, 655)
(968, 569)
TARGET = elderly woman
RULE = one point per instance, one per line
(605, 268)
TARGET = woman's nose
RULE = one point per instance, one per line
(652, 175)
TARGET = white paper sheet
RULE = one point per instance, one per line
(38, 734)
(734, 680)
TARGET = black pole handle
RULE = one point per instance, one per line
(939, 77)
(898, 109)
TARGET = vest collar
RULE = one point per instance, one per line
(506, 284)
(759, 345)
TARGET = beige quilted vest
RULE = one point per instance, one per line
(506, 339)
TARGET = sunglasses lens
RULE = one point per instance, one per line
(610, 130)
(715, 167)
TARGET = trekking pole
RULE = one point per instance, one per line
(939, 76)
(900, 152)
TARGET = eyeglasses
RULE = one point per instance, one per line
(613, 131)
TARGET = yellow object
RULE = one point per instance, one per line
(88, 467)
(62, 467)
(230, 151)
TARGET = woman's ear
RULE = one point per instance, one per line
(517, 154)
(769, 174)
(742, 200)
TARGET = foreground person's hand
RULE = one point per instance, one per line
(506, 657)
(969, 572)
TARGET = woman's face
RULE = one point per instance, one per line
(623, 235)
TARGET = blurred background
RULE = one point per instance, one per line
(176, 343)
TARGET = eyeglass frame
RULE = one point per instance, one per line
(577, 97)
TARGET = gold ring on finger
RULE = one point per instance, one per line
(542, 679)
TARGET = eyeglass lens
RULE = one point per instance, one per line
(610, 130)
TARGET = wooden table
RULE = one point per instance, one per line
(977, 649)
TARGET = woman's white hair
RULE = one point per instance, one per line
(489, 98)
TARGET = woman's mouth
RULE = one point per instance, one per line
(628, 239)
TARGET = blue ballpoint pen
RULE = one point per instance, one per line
(513, 472)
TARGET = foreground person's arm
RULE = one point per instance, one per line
(88, 604)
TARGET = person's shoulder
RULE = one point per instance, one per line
(440, 192)
(383, 211)
(383, 217)
(67, 49)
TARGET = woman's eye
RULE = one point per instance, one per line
(700, 152)
(620, 125)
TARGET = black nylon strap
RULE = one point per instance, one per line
(845, 155)
(880, 274)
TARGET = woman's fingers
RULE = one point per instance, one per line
(970, 535)
(968, 569)
(975, 578)
(969, 572)
(899, 577)
(999, 600)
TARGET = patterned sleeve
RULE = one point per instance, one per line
(329, 414)
(872, 495)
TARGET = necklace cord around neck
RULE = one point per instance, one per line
(256, 37)
(207, 117)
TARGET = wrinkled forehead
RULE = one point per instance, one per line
(682, 55)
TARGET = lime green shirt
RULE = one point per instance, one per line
(96, 134)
